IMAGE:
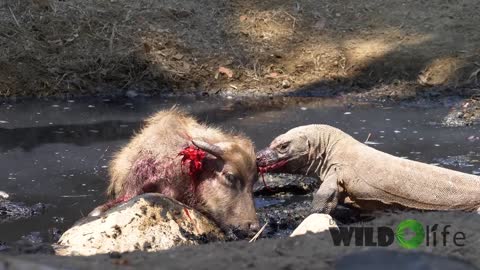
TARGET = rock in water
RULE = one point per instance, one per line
(12, 211)
(315, 223)
(149, 222)
(3, 195)
(285, 183)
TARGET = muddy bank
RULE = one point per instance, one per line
(303, 252)
(72, 48)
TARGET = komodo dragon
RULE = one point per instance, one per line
(363, 177)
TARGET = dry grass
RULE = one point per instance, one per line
(75, 47)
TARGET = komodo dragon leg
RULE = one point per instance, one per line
(326, 198)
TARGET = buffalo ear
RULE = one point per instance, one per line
(213, 149)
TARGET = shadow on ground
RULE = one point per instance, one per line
(311, 251)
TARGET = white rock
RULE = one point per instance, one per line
(150, 222)
(4, 195)
(315, 223)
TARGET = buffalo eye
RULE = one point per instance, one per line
(230, 177)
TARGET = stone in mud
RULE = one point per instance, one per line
(150, 222)
(465, 114)
(283, 219)
(285, 183)
(3, 195)
(11, 211)
(31, 243)
(454, 119)
(315, 223)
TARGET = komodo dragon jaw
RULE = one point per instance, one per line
(285, 155)
(268, 160)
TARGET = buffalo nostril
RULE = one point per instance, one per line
(254, 227)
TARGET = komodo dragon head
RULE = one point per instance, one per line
(287, 153)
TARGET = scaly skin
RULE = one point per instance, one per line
(358, 175)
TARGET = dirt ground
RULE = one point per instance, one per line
(378, 48)
(311, 251)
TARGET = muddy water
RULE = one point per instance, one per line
(57, 152)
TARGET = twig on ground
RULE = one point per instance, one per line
(60, 80)
(368, 137)
(474, 76)
(254, 238)
(14, 18)
(293, 18)
(112, 36)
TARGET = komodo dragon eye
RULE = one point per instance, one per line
(283, 147)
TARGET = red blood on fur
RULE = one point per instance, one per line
(157, 175)
(192, 159)
(118, 200)
(146, 169)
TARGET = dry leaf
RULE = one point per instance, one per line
(226, 71)
(178, 56)
(272, 75)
